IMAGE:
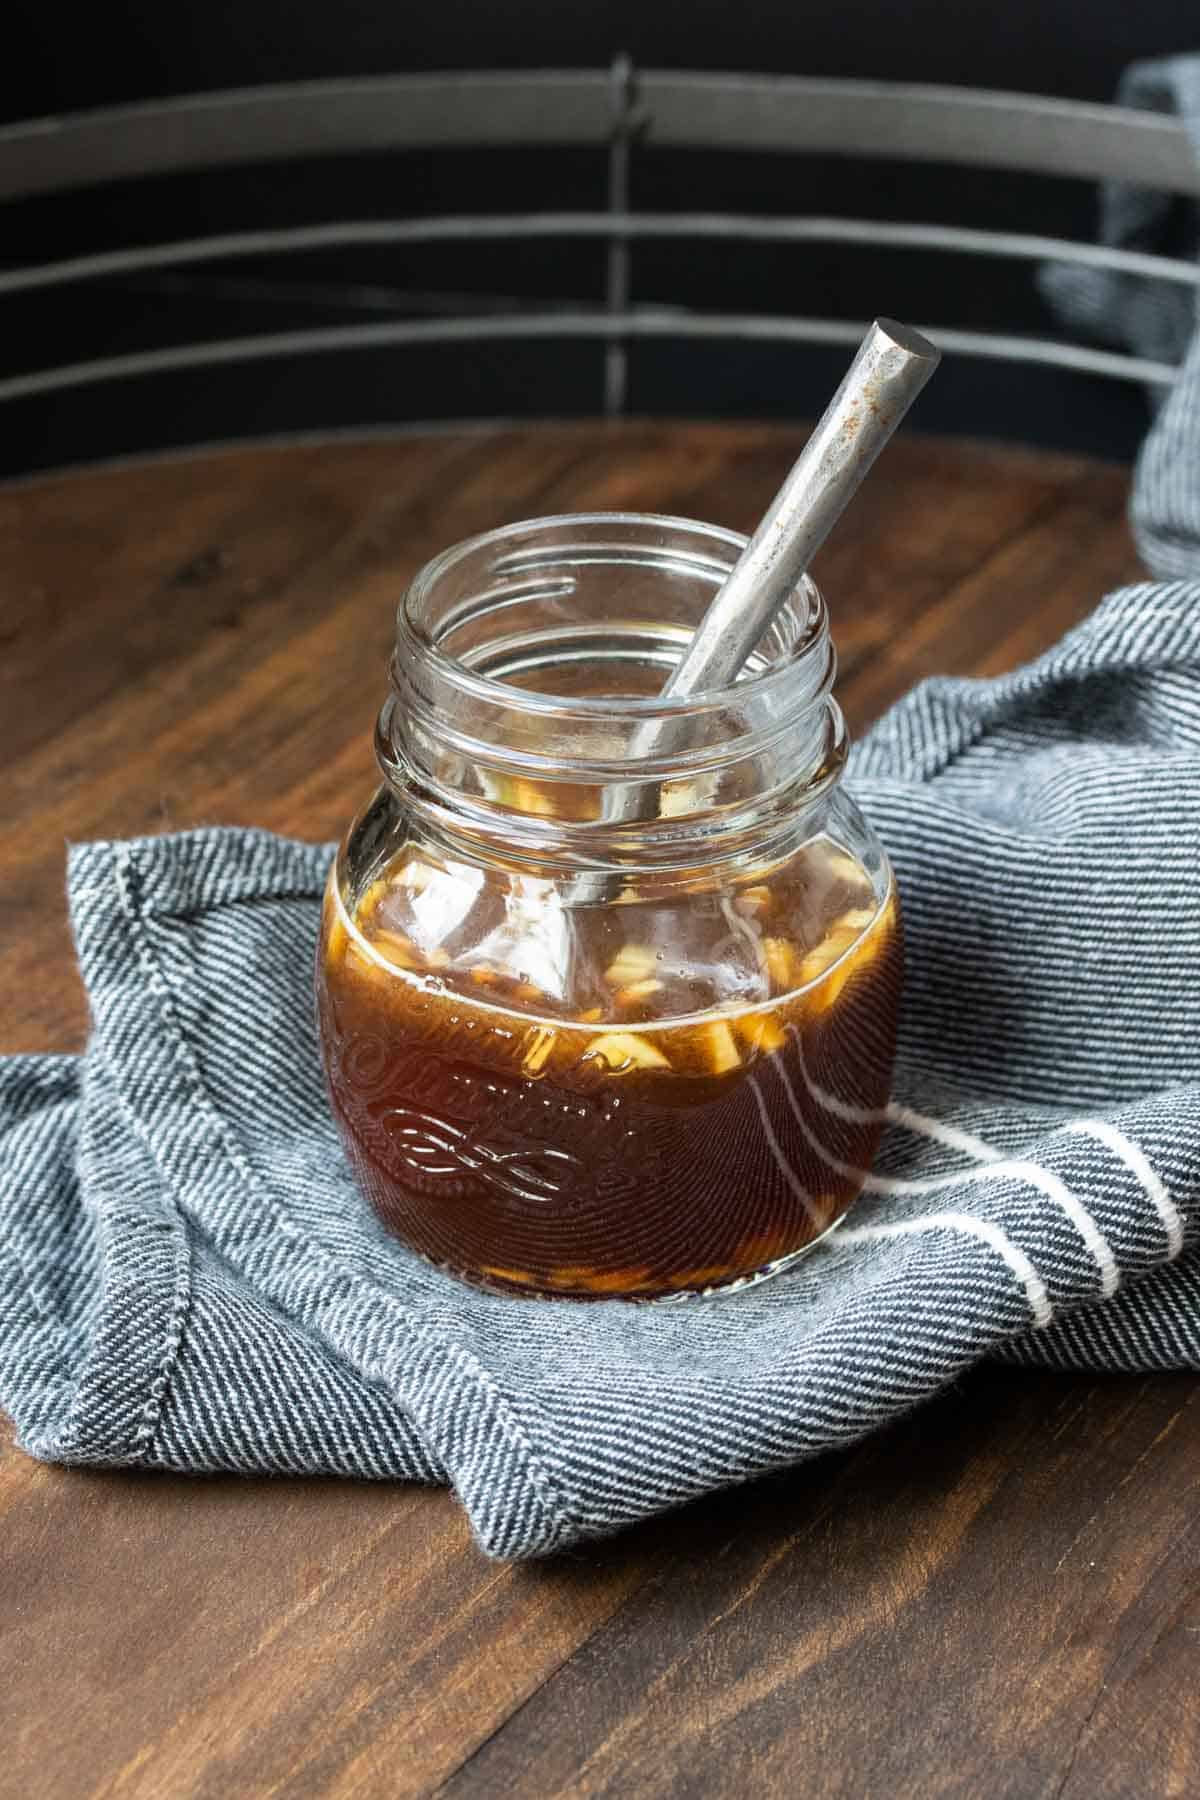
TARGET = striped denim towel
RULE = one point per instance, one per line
(189, 1280)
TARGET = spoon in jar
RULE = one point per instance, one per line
(891, 367)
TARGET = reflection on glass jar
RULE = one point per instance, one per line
(574, 1056)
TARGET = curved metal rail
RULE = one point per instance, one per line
(781, 113)
(647, 322)
(501, 227)
(617, 111)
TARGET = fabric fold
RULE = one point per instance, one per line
(192, 1280)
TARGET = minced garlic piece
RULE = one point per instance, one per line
(638, 990)
(522, 795)
(537, 1049)
(846, 936)
(394, 947)
(723, 1052)
(780, 958)
(761, 1031)
(633, 962)
(752, 901)
(416, 876)
(619, 1051)
(843, 866)
(835, 943)
(615, 1281)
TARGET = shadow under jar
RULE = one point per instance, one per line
(575, 1056)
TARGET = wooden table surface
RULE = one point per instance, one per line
(997, 1597)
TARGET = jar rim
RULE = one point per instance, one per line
(764, 683)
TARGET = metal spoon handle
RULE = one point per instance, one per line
(892, 366)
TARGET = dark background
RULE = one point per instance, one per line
(73, 57)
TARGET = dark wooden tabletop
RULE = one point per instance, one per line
(998, 1597)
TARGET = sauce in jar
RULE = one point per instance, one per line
(638, 1144)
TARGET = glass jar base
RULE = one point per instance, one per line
(739, 1284)
(494, 1282)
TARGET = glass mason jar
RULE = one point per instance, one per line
(576, 1053)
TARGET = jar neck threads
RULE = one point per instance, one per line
(527, 670)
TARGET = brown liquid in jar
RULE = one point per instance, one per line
(651, 1136)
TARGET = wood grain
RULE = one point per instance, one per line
(997, 1597)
